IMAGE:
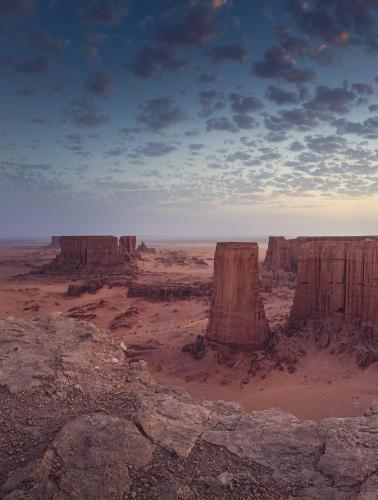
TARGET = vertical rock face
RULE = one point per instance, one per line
(127, 244)
(237, 313)
(276, 254)
(283, 253)
(337, 280)
(89, 250)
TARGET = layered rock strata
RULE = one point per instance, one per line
(237, 315)
(337, 282)
(282, 253)
(89, 250)
(127, 244)
(92, 251)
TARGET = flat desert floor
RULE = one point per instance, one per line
(324, 385)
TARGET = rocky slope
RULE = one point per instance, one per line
(79, 421)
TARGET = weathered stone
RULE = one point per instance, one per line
(283, 253)
(127, 245)
(46, 347)
(94, 452)
(237, 315)
(175, 423)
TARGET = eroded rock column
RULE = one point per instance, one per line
(237, 315)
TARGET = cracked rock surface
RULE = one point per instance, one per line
(80, 422)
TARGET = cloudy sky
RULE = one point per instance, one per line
(188, 117)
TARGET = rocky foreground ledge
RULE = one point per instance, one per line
(78, 421)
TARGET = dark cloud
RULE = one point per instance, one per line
(46, 41)
(323, 55)
(28, 92)
(367, 129)
(105, 12)
(223, 124)
(211, 101)
(244, 104)
(83, 113)
(339, 22)
(153, 61)
(280, 96)
(362, 89)
(245, 121)
(34, 66)
(74, 143)
(101, 84)
(279, 63)
(297, 118)
(296, 146)
(195, 148)
(231, 52)
(155, 149)
(194, 29)
(301, 75)
(326, 144)
(160, 113)
(208, 78)
(13, 10)
(327, 99)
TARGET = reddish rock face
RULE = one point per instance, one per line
(237, 315)
(89, 250)
(283, 253)
(337, 280)
(127, 244)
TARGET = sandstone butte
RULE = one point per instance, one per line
(95, 250)
(237, 315)
(282, 253)
(338, 281)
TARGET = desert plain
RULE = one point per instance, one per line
(322, 385)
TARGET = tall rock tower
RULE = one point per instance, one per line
(237, 315)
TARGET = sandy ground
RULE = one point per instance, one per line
(324, 385)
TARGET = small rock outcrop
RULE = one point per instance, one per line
(143, 248)
(283, 253)
(237, 315)
(337, 287)
(171, 291)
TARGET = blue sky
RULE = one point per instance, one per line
(188, 117)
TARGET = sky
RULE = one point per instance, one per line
(174, 118)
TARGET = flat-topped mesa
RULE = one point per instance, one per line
(338, 281)
(127, 245)
(237, 316)
(283, 253)
(89, 251)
